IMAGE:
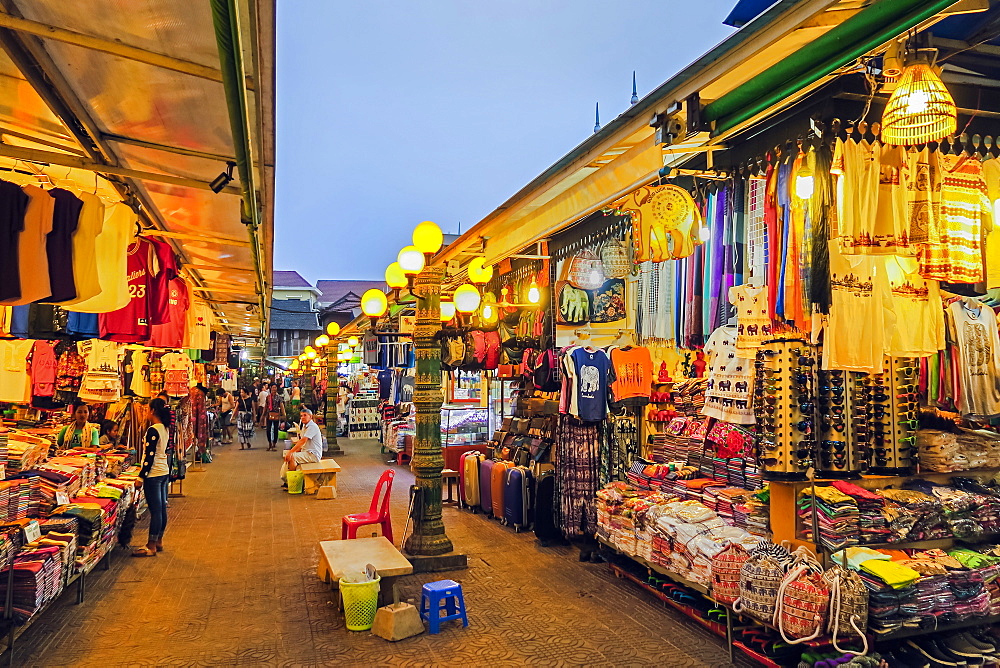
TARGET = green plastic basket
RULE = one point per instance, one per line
(360, 603)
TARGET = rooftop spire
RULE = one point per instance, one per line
(635, 97)
(597, 117)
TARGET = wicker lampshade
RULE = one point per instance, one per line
(920, 110)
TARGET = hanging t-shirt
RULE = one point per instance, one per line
(59, 245)
(633, 368)
(13, 203)
(592, 375)
(922, 181)
(15, 383)
(978, 347)
(131, 323)
(198, 334)
(965, 216)
(111, 251)
(83, 325)
(860, 314)
(858, 166)
(42, 368)
(32, 260)
(139, 383)
(916, 305)
(177, 374)
(729, 388)
(171, 333)
(159, 304)
(85, 258)
(753, 320)
(991, 173)
(102, 382)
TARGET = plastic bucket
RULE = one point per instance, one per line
(360, 603)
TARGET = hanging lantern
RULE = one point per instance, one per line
(333, 329)
(467, 298)
(534, 294)
(447, 311)
(478, 272)
(428, 238)
(921, 109)
(353, 342)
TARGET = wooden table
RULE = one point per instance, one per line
(319, 474)
(340, 557)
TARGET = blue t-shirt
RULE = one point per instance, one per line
(591, 383)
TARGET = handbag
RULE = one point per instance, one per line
(731, 440)
(726, 567)
(760, 578)
(615, 259)
(802, 602)
(848, 605)
(585, 271)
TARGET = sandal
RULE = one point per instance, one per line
(143, 552)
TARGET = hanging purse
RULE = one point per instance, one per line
(802, 602)
(585, 271)
(615, 259)
(726, 567)
(848, 606)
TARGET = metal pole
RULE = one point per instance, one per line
(332, 394)
(428, 537)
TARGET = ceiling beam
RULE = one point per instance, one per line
(65, 160)
(179, 150)
(113, 47)
(215, 239)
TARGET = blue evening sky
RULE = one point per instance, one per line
(393, 112)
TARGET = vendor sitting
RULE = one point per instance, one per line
(109, 435)
(307, 448)
(80, 433)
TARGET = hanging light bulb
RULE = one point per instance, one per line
(302, 357)
(478, 272)
(447, 311)
(428, 238)
(704, 233)
(322, 341)
(921, 109)
(467, 298)
(311, 355)
(805, 183)
(487, 312)
(353, 342)
(534, 294)
(333, 329)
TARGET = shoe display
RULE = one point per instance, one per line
(932, 655)
(956, 651)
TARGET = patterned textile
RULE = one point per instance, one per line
(244, 425)
(578, 447)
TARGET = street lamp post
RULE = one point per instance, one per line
(428, 538)
(325, 341)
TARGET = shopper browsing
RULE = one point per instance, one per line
(226, 405)
(307, 449)
(154, 475)
(262, 398)
(244, 419)
(273, 411)
(80, 433)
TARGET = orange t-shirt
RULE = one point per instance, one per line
(634, 370)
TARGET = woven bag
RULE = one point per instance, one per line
(760, 578)
(726, 567)
(614, 259)
(848, 605)
(803, 599)
(585, 271)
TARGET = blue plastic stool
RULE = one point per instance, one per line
(446, 594)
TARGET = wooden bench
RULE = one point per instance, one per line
(340, 557)
(320, 474)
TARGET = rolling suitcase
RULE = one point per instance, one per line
(499, 475)
(517, 493)
(485, 488)
(468, 479)
(545, 516)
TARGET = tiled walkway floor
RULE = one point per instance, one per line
(237, 585)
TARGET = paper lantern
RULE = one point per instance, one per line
(920, 110)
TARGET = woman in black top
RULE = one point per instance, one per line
(244, 418)
(155, 476)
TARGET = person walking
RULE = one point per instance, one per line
(244, 419)
(154, 476)
(273, 411)
(265, 392)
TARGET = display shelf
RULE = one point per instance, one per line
(755, 655)
(715, 627)
(909, 633)
(679, 579)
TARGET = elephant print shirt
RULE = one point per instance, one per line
(592, 375)
(753, 319)
(974, 330)
(729, 388)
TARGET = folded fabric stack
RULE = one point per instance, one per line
(23, 455)
(836, 516)
(688, 396)
(758, 514)
(4, 435)
(84, 466)
(670, 445)
(966, 450)
(726, 501)
(60, 525)
(37, 580)
(674, 481)
(873, 525)
(914, 516)
(46, 484)
(959, 509)
(18, 498)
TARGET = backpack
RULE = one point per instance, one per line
(492, 345)
(546, 372)
(475, 351)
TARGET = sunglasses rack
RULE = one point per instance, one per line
(893, 409)
(840, 454)
(782, 386)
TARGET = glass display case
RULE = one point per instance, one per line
(464, 425)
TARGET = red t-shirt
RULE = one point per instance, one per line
(171, 334)
(159, 309)
(130, 324)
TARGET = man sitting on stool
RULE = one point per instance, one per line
(308, 448)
